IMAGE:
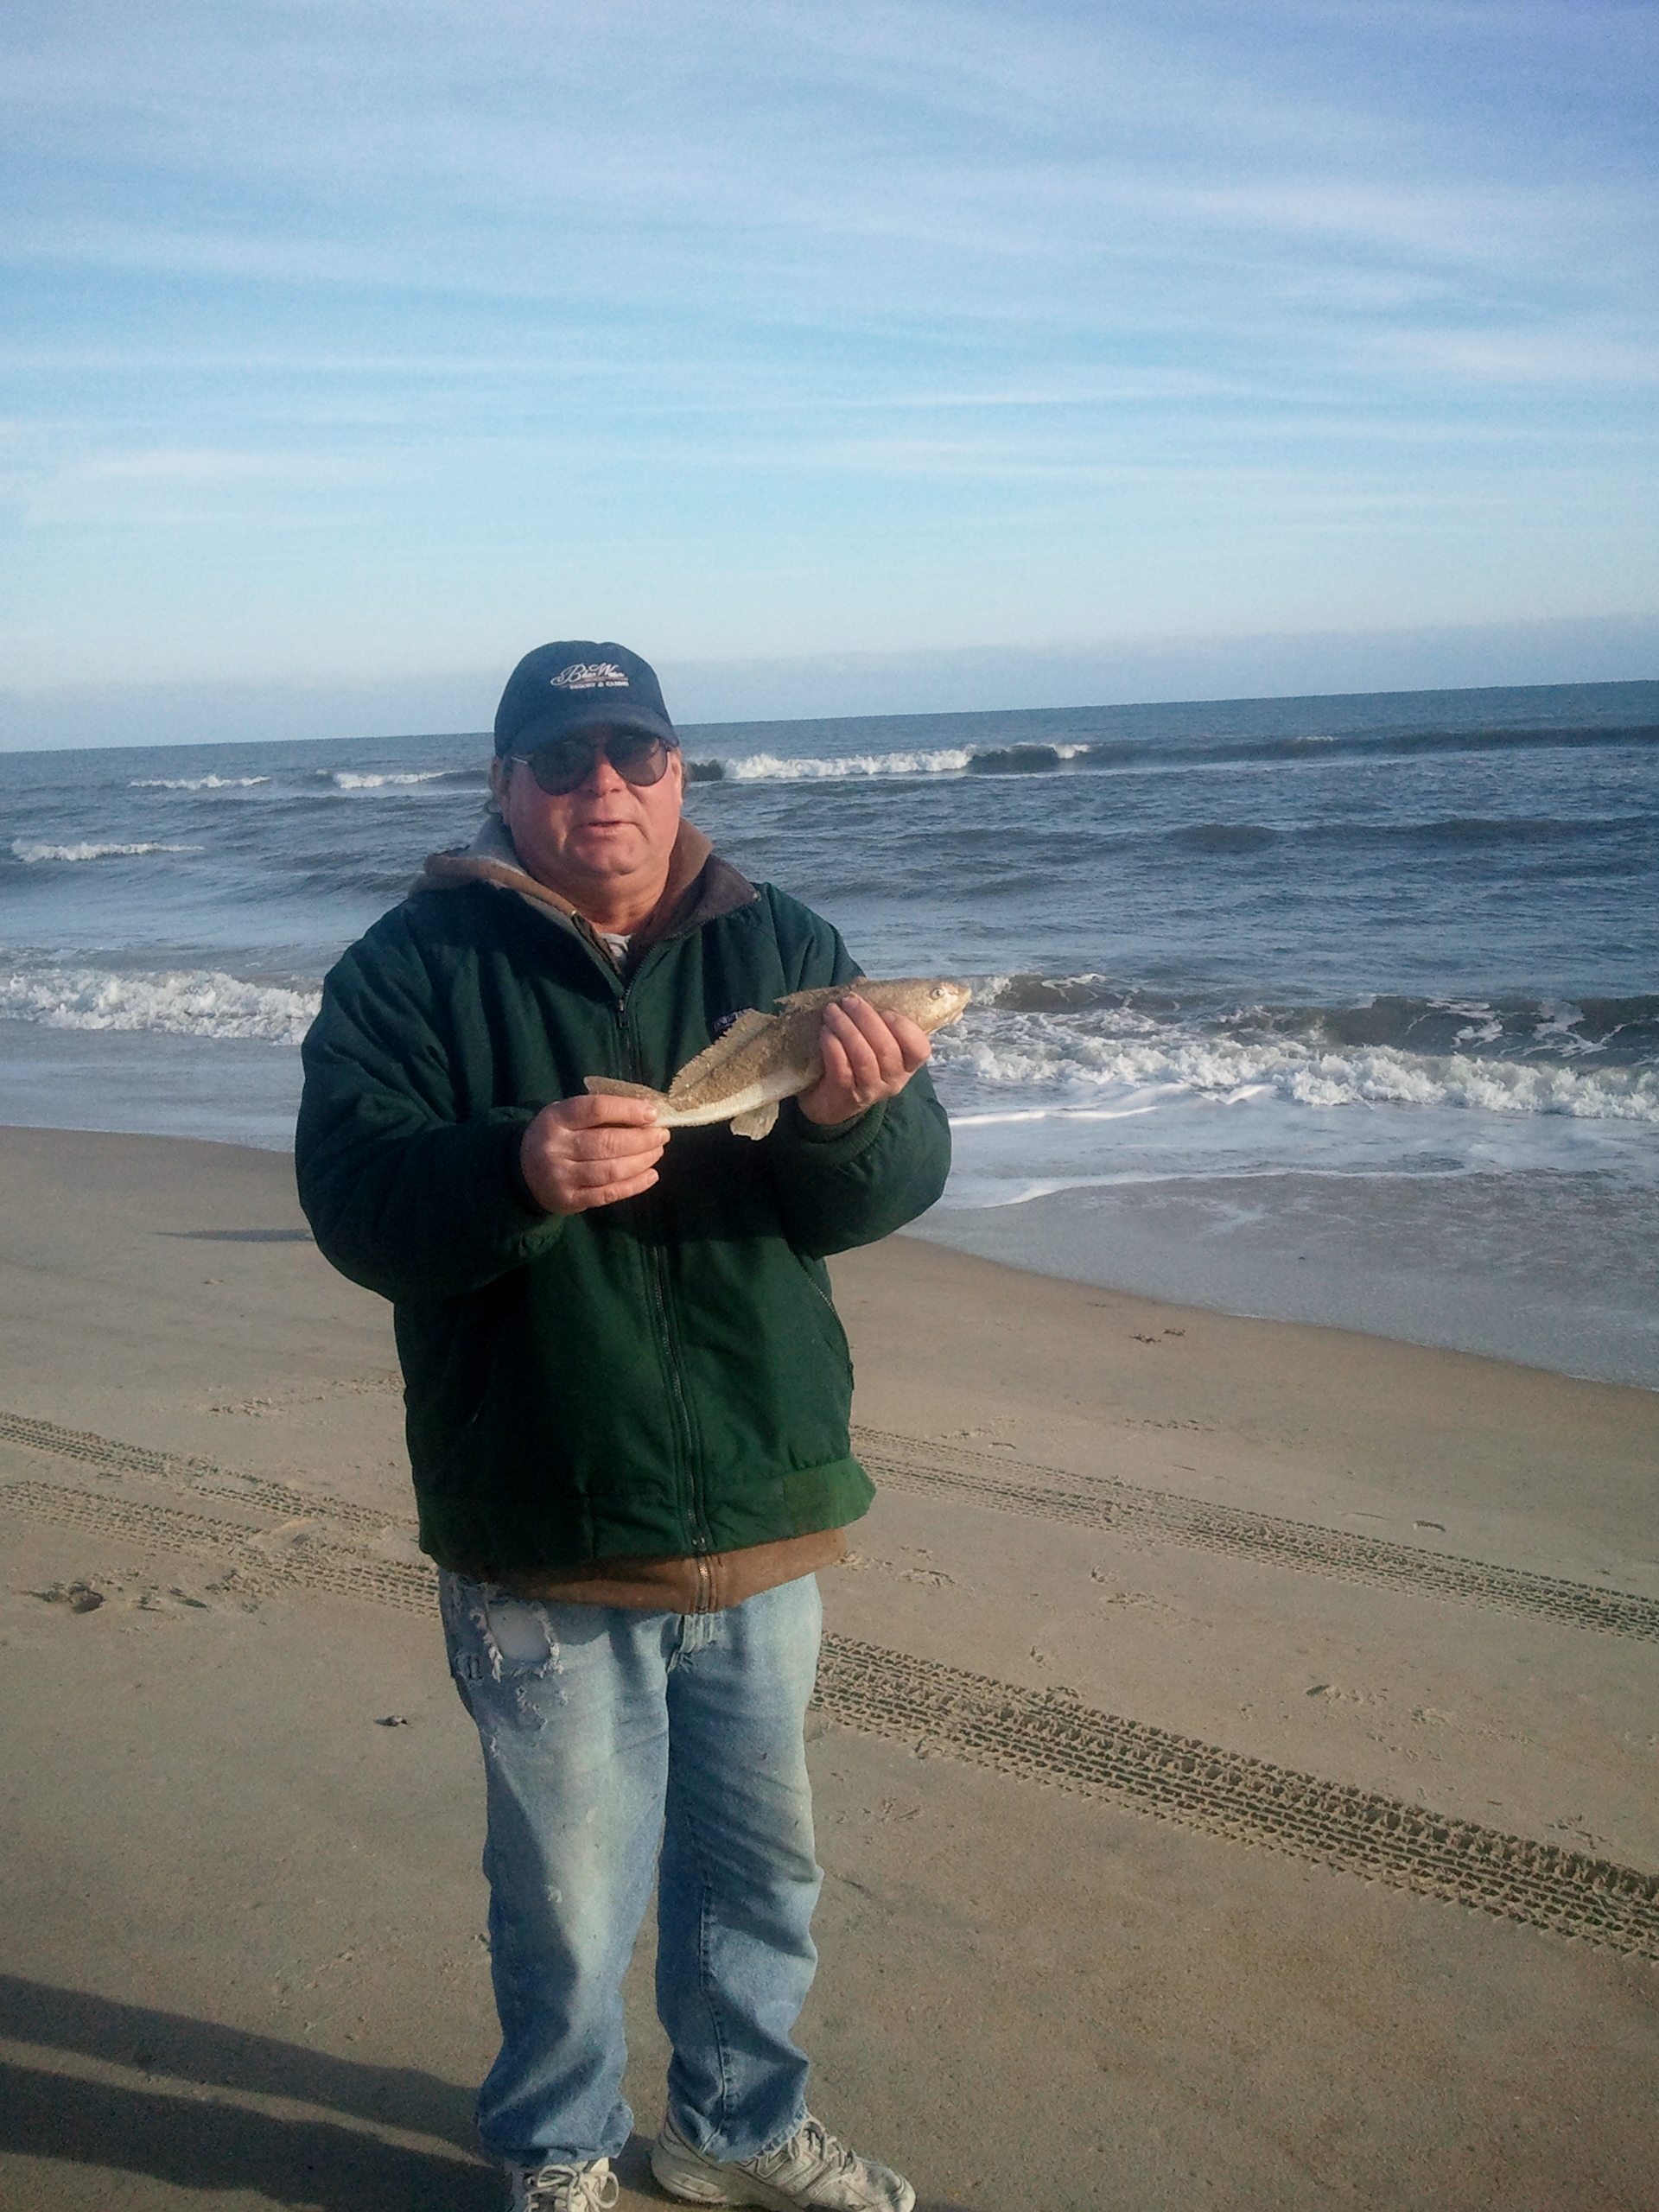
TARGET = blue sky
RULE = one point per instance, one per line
(834, 356)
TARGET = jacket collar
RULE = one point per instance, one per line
(700, 886)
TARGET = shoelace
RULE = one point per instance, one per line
(571, 2189)
(817, 2142)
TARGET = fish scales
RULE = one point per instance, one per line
(749, 1054)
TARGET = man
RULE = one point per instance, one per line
(627, 1397)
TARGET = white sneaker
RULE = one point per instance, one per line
(812, 2172)
(590, 2188)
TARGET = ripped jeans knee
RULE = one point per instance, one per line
(497, 1639)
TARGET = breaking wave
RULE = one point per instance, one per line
(1042, 757)
(29, 851)
(1068, 1047)
(352, 779)
(1623, 1030)
(1064, 1060)
(773, 768)
(196, 783)
(190, 1002)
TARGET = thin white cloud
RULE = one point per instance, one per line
(181, 487)
(207, 467)
(1591, 360)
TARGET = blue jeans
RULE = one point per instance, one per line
(607, 1734)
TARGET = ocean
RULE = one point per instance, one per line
(1336, 1009)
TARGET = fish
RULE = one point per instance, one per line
(763, 1058)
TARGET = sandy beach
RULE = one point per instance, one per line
(1238, 1752)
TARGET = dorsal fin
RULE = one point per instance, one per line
(815, 1001)
(750, 1024)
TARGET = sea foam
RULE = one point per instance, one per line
(351, 779)
(768, 767)
(774, 768)
(30, 851)
(196, 783)
(1028, 755)
(191, 1003)
(1072, 1060)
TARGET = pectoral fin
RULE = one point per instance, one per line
(608, 1086)
(758, 1123)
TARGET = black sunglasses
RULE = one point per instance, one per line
(637, 757)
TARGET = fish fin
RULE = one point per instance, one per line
(607, 1086)
(749, 1024)
(757, 1123)
(815, 1001)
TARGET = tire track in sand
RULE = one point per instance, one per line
(201, 1476)
(930, 1470)
(1047, 1736)
(936, 1471)
(254, 1561)
(1052, 1736)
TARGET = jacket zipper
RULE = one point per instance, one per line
(656, 1267)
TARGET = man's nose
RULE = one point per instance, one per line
(601, 777)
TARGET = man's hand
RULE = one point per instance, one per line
(590, 1152)
(867, 1056)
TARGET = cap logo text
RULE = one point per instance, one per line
(589, 675)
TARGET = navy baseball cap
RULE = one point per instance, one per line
(562, 690)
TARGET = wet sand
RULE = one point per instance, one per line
(1065, 1960)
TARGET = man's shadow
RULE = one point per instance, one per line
(176, 2134)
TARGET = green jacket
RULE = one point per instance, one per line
(663, 1376)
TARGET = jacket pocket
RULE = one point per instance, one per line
(452, 1456)
(829, 1322)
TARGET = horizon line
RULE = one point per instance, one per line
(905, 714)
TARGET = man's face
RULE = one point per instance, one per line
(604, 839)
